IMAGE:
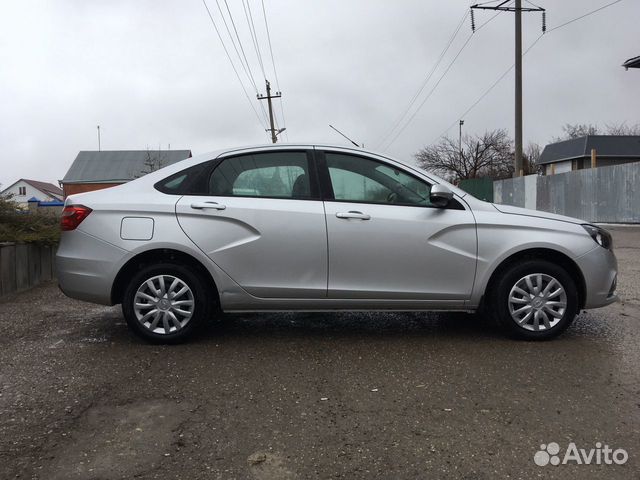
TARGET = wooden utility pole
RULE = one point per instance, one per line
(274, 131)
(517, 9)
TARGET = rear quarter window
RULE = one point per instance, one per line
(191, 181)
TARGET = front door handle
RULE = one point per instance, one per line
(353, 214)
(207, 205)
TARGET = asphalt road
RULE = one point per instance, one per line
(283, 396)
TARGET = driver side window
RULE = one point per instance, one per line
(357, 179)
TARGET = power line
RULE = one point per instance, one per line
(245, 66)
(487, 91)
(425, 82)
(273, 63)
(585, 15)
(233, 24)
(249, 73)
(231, 62)
(254, 40)
(254, 36)
(408, 122)
(533, 4)
(433, 89)
(506, 72)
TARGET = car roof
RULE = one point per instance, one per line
(290, 145)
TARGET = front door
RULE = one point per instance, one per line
(387, 242)
(263, 224)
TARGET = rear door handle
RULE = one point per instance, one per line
(207, 205)
(353, 214)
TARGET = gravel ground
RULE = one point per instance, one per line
(283, 396)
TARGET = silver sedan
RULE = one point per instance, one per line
(323, 228)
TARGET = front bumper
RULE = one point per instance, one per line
(600, 270)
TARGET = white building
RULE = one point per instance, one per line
(23, 190)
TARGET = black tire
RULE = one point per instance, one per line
(201, 307)
(500, 291)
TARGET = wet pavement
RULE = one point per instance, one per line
(283, 396)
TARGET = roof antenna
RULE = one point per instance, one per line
(98, 137)
(346, 137)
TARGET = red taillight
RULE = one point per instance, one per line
(72, 216)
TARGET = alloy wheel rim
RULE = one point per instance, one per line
(537, 302)
(163, 304)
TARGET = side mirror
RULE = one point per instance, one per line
(440, 196)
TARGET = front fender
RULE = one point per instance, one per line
(500, 236)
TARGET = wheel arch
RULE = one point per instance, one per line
(548, 254)
(159, 255)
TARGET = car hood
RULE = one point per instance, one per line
(535, 213)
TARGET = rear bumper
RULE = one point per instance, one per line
(86, 267)
(600, 270)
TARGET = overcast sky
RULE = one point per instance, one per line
(154, 73)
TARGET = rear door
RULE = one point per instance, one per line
(263, 223)
(385, 239)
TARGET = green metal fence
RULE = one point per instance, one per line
(481, 188)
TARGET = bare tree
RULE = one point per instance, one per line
(576, 130)
(155, 160)
(531, 158)
(487, 155)
(623, 129)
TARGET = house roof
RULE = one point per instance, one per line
(627, 146)
(45, 187)
(632, 63)
(119, 165)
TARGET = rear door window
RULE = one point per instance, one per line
(265, 175)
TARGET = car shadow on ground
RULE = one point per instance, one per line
(350, 325)
(459, 326)
(328, 325)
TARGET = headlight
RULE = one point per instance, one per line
(600, 236)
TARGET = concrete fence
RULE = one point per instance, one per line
(24, 265)
(604, 194)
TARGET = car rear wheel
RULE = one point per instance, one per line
(165, 303)
(535, 300)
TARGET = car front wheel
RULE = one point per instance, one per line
(535, 300)
(165, 303)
